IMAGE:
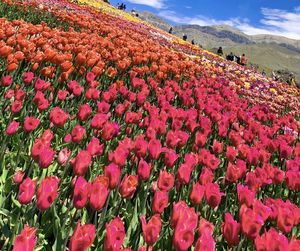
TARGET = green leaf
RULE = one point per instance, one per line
(16, 202)
(133, 225)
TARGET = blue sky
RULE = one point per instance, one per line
(278, 17)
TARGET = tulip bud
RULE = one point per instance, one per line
(83, 237)
(230, 230)
(26, 240)
(197, 193)
(160, 201)
(99, 192)
(113, 173)
(63, 156)
(151, 229)
(81, 192)
(18, 177)
(12, 128)
(115, 235)
(128, 186)
(47, 192)
(26, 191)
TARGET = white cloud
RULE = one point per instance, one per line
(274, 21)
(157, 4)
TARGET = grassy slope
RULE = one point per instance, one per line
(269, 56)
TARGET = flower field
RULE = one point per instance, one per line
(118, 136)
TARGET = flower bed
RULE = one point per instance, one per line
(117, 136)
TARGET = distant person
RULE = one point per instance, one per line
(193, 42)
(230, 57)
(292, 80)
(220, 51)
(263, 73)
(121, 6)
(243, 60)
(275, 77)
(171, 30)
(184, 37)
(134, 13)
(237, 59)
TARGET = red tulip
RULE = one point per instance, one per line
(47, 192)
(115, 235)
(231, 153)
(84, 112)
(99, 120)
(83, 237)
(206, 176)
(151, 229)
(205, 227)
(16, 106)
(63, 156)
(26, 191)
(217, 147)
(30, 124)
(177, 212)
(46, 157)
(119, 156)
(197, 193)
(230, 230)
(205, 243)
(170, 157)
(140, 147)
(94, 147)
(6, 81)
(251, 222)
(154, 148)
(113, 173)
(103, 107)
(78, 133)
(99, 192)
(213, 194)
(183, 237)
(165, 181)
(293, 180)
(294, 245)
(235, 172)
(47, 137)
(144, 170)
(12, 127)
(82, 162)
(110, 130)
(28, 77)
(271, 240)
(62, 94)
(25, 241)
(285, 219)
(160, 201)
(261, 209)
(128, 186)
(184, 173)
(58, 117)
(18, 177)
(81, 192)
(245, 195)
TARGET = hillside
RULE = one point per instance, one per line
(267, 51)
(269, 56)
